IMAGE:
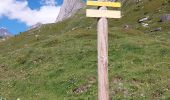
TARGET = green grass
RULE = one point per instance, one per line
(61, 63)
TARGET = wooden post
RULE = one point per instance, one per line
(102, 32)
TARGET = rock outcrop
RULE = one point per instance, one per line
(4, 32)
(143, 19)
(156, 29)
(165, 17)
(69, 8)
(122, 1)
(38, 25)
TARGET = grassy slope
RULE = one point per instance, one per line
(56, 62)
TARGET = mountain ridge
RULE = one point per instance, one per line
(4, 32)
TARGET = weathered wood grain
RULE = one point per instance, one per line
(102, 32)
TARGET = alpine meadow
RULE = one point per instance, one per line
(58, 61)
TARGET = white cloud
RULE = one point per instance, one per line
(20, 10)
(48, 2)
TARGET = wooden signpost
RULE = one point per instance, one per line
(102, 34)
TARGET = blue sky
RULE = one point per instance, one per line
(21, 14)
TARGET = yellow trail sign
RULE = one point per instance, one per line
(103, 13)
(99, 3)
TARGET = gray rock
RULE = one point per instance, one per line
(122, 1)
(69, 8)
(145, 24)
(143, 19)
(165, 17)
(156, 29)
(74, 28)
(126, 27)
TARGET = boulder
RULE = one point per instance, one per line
(156, 29)
(145, 24)
(126, 27)
(143, 19)
(165, 18)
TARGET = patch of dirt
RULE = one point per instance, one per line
(92, 80)
(84, 88)
(117, 80)
(3, 68)
(6, 74)
(120, 89)
(136, 82)
(168, 87)
(3, 71)
(81, 89)
(157, 94)
(123, 91)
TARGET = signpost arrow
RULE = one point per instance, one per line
(103, 13)
(101, 3)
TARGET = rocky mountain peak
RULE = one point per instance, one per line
(69, 8)
(38, 25)
(4, 32)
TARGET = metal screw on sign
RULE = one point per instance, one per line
(102, 43)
